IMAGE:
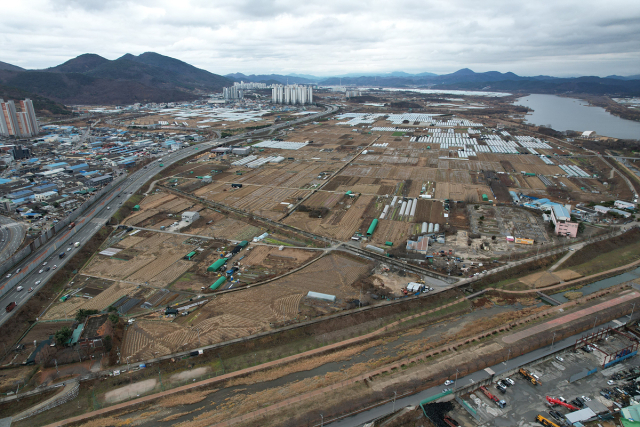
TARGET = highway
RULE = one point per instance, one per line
(11, 236)
(96, 216)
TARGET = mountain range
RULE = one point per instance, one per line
(91, 79)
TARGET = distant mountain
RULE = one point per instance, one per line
(80, 64)
(5, 66)
(92, 79)
(467, 79)
(634, 77)
(582, 85)
(262, 78)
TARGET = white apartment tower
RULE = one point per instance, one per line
(292, 94)
(232, 92)
(20, 124)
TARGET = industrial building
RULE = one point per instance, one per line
(561, 218)
(621, 204)
(292, 94)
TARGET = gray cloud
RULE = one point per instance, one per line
(587, 37)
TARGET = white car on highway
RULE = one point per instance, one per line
(19, 288)
(37, 282)
(41, 271)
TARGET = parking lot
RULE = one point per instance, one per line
(524, 401)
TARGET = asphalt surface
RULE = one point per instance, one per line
(96, 216)
(11, 236)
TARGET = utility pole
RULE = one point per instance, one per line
(553, 340)
(594, 322)
(321, 420)
(508, 355)
(632, 308)
(56, 362)
(455, 383)
(395, 394)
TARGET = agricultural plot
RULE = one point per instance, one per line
(69, 308)
(238, 314)
(156, 260)
(341, 223)
(390, 231)
(264, 261)
(42, 331)
(229, 228)
(430, 211)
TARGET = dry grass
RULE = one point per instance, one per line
(303, 365)
(572, 295)
(185, 399)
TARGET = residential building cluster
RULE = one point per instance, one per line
(20, 124)
(233, 92)
(45, 179)
(292, 94)
(249, 85)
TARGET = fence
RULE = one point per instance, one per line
(44, 238)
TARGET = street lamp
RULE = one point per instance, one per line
(553, 340)
(321, 420)
(508, 354)
(395, 393)
(455, 383)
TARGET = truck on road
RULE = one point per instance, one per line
(76, 244)
(73, 224)
(11, 306)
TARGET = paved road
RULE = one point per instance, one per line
(95, 217)
(11, 236)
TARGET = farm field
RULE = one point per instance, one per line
(341, 223)
(155, 259)
(245, 312)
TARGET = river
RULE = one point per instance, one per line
(574, 114)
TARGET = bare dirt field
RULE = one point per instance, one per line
(248, 311)
(42, 331)
(157, 261)
(341, 222)
(129, 391)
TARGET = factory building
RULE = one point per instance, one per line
(562, 220)
(292, 94)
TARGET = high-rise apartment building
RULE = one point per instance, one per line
(232, 92)
(292, 94)
(22, 124)
(250, 85)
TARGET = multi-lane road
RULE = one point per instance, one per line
(11, 236)
(94, 218)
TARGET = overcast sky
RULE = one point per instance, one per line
(552, 37)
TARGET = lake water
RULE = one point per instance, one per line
(574, 114)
